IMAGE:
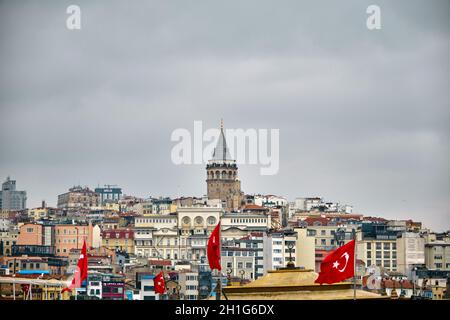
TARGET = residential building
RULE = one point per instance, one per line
(4, 224)
(377, 246)
(238, 225)
(437, 251)
(147, 289)
(108, 194)
(78, 197)
(410, 252)
(7, 240)
(72, 236)
(118, 239)
(188, 281)
(282, 247)
(195, 224)
(156, 236)
(10, 198)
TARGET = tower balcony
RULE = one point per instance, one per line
(228, 164)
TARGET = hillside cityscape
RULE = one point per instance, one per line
(130, 240)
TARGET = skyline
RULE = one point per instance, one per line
(363, 115)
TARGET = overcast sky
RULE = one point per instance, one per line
(363, 115)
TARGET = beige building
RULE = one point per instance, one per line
(410, 251)
(77, 198)
(381, 253)
(437, 252)
(118, 239)
(8, 239)
(156, 236)
(195, 224)
(238, 225)
(305, 249)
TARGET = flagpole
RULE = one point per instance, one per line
(354, 266)
(220, 259)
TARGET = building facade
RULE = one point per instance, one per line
(118, 239)
(410, 251)
(78, 198)
(108, 193)
(10, 198)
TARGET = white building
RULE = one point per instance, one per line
(188, 281)
(195, 224)
(410, 251)
(156, 236)
(4, 224)
(147, 291)
(238, 225)
(296, 246)
(270, 201)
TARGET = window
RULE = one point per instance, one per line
(378, 245)
(149, 288)
(386, 246)
(240, 265)
(323, 232)
(323, 242)
(248, 265)
(211, 220)
(369, 246)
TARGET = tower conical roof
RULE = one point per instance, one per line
(221, 152)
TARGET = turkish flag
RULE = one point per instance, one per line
(338, 265)
(213, 249)
(81, 271)
(159, 283)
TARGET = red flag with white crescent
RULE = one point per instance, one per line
(159, 283)
(338, 265)
(81, 271)
(213, 249)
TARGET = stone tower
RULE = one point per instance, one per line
(222, 181)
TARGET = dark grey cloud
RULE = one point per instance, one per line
(363, 115)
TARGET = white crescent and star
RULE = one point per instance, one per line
(336, 263)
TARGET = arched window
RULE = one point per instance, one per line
(211, 220)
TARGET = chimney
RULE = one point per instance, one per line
(43, 204)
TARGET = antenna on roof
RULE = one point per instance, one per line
(221, 123)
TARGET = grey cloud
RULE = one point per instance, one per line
(363, 116)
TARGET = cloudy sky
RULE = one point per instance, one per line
(363, 115)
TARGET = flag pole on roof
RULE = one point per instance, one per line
(354, 266)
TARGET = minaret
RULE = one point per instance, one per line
(222, 181)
